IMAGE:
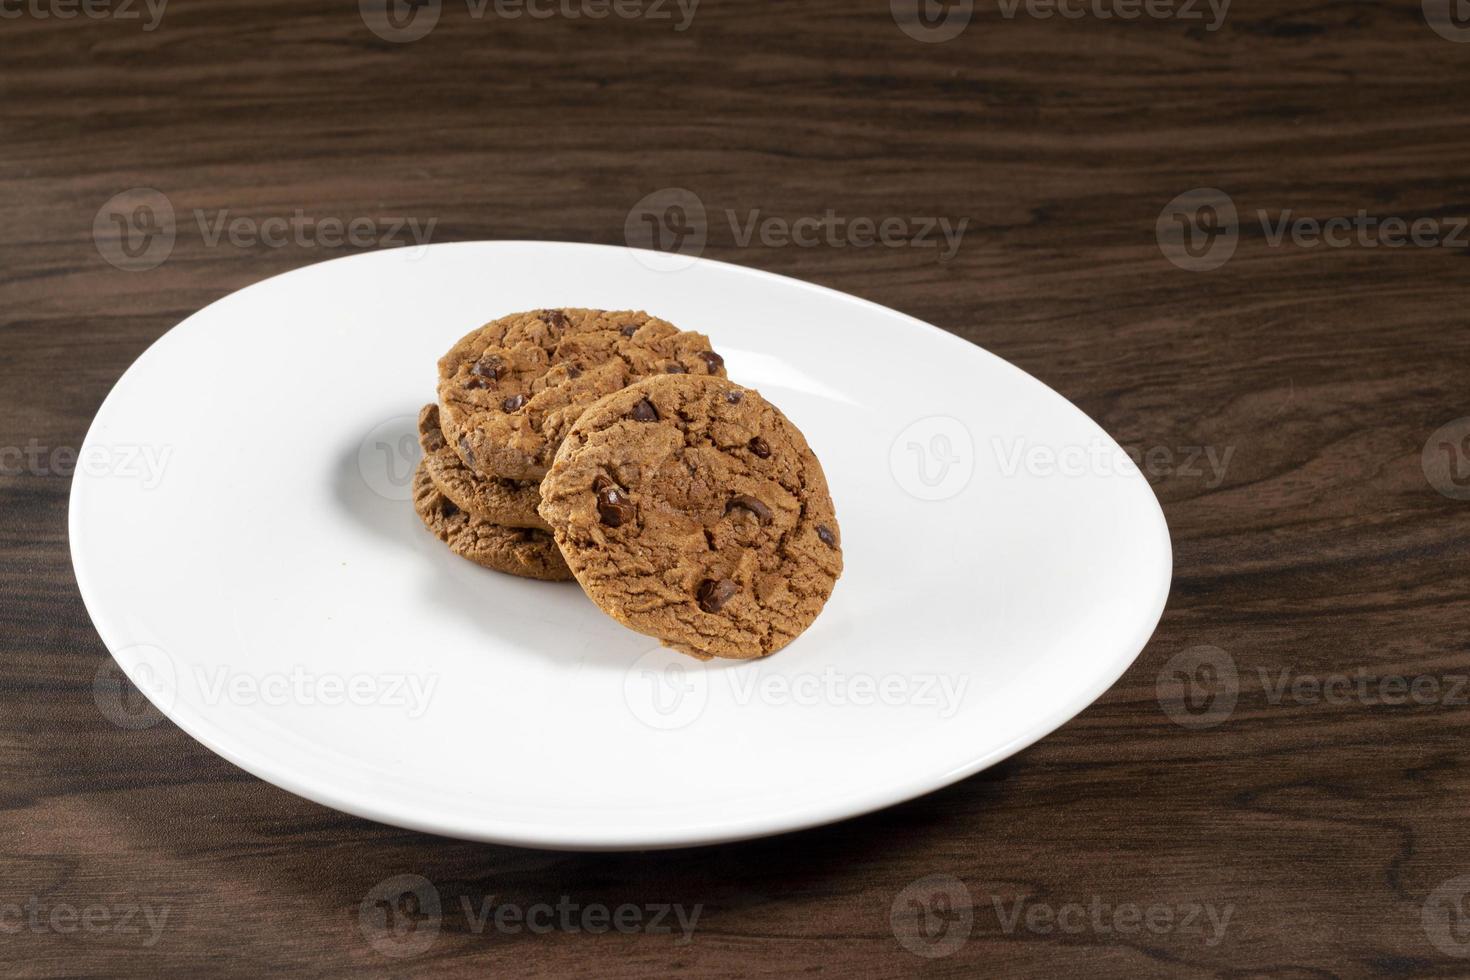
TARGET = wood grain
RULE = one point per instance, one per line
(1321, 549)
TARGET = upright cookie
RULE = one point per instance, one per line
(510, 391)
(507, 502)
(690, 509)
(516, 550)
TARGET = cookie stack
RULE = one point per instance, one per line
(609, 447)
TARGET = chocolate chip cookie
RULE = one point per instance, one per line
(507, 502)
(690, 509)
(510, 391)
(521, 551)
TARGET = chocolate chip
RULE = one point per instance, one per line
(513, 403)
(676, 368)
(613, 505)
(488, 366)
(734, 397)
(760, 447)
(475, 383)
(745, 501)
(629, 330)
(825, 533)
(713, 595)
(712, 361)
(574, 371)
(466, 451)
(554, 317)
(644, 411)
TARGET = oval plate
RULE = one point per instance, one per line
(244, 542)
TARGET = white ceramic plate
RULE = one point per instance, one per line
(243, 539)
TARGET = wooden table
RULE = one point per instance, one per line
(1260, 795)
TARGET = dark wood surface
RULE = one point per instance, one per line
(1332, 831)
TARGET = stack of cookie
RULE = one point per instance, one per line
(610, 448)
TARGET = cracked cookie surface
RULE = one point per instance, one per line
(525, 552)
(507, 502)
(690, 509)
(510, 391)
